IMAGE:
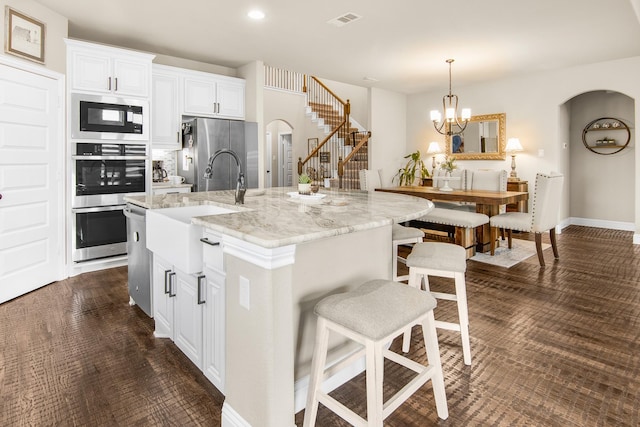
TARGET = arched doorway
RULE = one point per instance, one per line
(601, 181)
(278, 156)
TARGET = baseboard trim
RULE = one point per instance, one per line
(231, 418)
(601, 223)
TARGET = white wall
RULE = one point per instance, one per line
(534, 108)
(388, 116)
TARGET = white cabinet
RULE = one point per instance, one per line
(163, 282)
(165, 103)
(214, 311)
(187, 323)
(170, 190)
(190, 309)
(214, 96)
(178, 91)
(97, 68)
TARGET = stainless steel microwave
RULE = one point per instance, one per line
(109, 118)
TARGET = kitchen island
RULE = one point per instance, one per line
(281, 255)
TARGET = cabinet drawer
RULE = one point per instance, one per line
(212, 251)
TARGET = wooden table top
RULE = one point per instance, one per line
(476, 196)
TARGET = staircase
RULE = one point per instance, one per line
(344, 150)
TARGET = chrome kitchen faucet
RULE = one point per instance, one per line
(241, 187)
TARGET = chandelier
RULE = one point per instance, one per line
(452, 124)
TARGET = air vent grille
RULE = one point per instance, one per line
(345, 19)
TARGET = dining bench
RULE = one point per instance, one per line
(462, 224)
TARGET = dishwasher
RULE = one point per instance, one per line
(139, 259)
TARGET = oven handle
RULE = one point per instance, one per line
(80, 157)
(99, 209)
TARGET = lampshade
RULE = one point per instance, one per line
(513, 144)
(434, 148)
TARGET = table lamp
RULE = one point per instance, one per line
(513, 146)
(434, 148)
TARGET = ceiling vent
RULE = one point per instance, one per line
(345, 19)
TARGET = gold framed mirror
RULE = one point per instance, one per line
(483, 139)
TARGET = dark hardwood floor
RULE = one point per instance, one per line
(554, 346)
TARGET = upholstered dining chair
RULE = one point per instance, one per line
(543, 216)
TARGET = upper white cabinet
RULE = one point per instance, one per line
(165, 103)
(214, 96)
(178, 91)
(104, 69)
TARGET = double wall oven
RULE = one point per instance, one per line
(109, 160)
(103, 172)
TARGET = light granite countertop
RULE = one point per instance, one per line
(272, 218)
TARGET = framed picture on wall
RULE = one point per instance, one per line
(24, 36)
(312, 144)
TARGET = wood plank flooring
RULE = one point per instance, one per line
(558, 346)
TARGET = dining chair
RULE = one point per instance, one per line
(543, 216)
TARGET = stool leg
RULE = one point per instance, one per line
(317, 372)
(463, 316)
(375, 376)
(414, 281)
(394, 263)
(433, 355)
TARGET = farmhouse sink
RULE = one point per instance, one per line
(171, 235)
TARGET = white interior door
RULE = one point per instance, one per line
(268, 171)
(31, 185)
(284, 160)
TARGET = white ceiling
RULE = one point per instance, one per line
(402, 43)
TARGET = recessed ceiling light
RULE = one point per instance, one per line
(256, 14)
(370, 79)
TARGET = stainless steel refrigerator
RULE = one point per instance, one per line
(203, 137)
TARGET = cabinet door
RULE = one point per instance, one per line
(90, 72)
(162, 281)
(214, 328)
(165, 120)
(188, 316)
(131, 77)
(230, 99)
(199, 96)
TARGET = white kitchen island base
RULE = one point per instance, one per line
(269, 345)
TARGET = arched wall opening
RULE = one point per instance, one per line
(601, 186)
(278, 154)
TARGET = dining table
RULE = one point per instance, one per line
(486, 202)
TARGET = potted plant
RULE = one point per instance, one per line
(304, 184)
(414, 169)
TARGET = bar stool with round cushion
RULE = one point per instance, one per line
(442, 260)
(401, 235)
(373, 315)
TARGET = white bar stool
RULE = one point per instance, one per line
(372, 315)
(442, 260)
(402, 236)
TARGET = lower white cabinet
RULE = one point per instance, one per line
(170, 190)
(187, 322)
(163, 278)
(190, 309)
(214, 319)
